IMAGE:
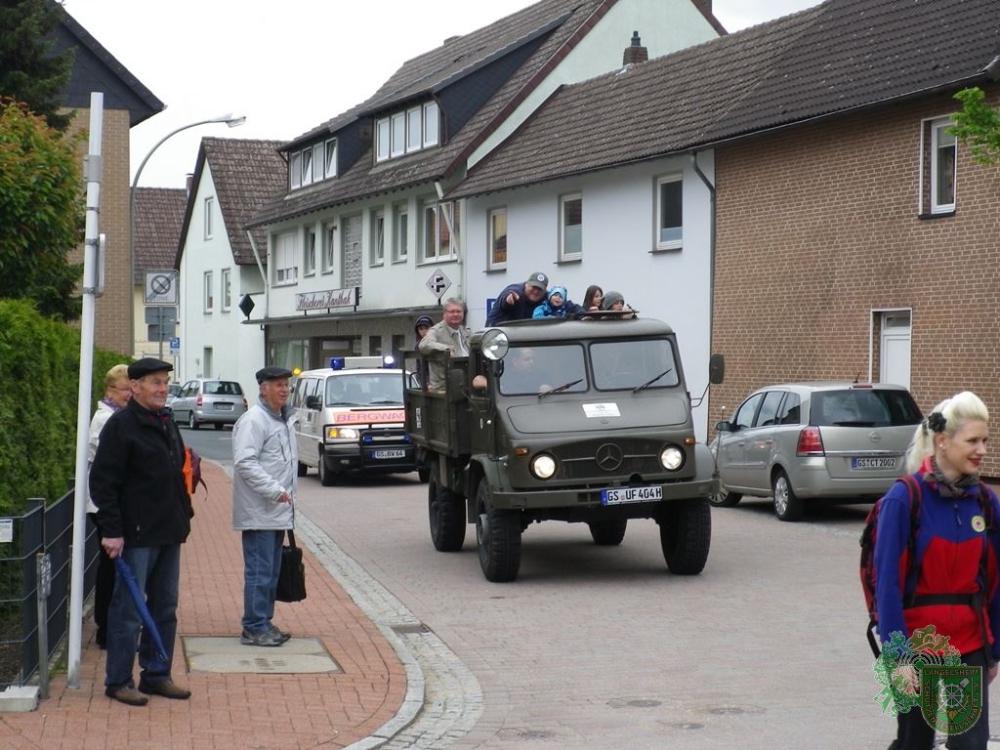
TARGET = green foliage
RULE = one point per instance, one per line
(42, 213)
(29, 72)
(978, 126)
(40, 369)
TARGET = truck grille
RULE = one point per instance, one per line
(604, 458)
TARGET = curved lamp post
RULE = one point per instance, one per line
(230, 120)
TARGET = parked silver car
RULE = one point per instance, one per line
(802, 441)
(209, 401)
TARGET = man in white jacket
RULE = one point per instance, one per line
(264, 477)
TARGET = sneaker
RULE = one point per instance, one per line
(128, 695)
(284, 635)
(166, 688)
(267, 638)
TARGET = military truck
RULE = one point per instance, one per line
(585, 421)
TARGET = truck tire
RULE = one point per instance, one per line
(498, 536)
(608, 533)
(327, 478)
(423, 473)
(686, 535)
(446, 511)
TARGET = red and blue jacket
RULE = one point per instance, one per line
(949, 550)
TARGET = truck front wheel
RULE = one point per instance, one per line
(327, 478)
(608, 533)
(686, 535)
(498, 535)
(446, 511)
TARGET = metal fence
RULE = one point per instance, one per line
(40, 531)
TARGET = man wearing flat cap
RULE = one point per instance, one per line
(265, 463)
(144, 513)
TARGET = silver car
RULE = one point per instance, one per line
(805, 441)
(209, 401)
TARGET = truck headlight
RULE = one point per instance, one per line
(672, 458)
(341, 433)
(543, 466)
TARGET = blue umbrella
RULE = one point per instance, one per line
(140, 604)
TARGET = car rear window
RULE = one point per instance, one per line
(863, 408)
(223, 388)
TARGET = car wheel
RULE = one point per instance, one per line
(724, 498)
(608, 533)
(191, 423)
(787, 505)
(446, 512)
(498, 536)
(327, 478)
(303, 469)
(686, 535)
(218, 425)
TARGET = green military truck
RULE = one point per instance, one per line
(583, 421)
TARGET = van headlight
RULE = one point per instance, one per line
(672, 458)
(341, 433)
(543, 466)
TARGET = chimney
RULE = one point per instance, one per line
(189, 182)
(635, 52)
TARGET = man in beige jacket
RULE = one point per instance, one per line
(450, 335)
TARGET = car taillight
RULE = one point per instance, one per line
(810, 442)
(197, 401)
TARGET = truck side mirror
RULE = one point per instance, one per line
(716, 368)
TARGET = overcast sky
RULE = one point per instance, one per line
(289, 68)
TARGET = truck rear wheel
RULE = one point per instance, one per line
(608, 533)
(686, 535)
(446, 511)
(498, 535)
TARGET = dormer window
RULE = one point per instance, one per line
(312, 164)
(407, 131)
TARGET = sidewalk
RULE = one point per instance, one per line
(235, 710)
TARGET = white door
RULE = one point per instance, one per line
(895, 348)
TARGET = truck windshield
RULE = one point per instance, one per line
(540, 369)
(370, 389)
(621, 365)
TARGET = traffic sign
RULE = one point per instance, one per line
(175, 344)
(161, 287)
(438, 283)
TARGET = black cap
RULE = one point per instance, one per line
(147, 365)
(273, 372)
(423, 320)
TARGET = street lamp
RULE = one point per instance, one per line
(230, 120)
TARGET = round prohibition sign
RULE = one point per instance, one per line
(160, 284)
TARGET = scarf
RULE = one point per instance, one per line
(957, 488)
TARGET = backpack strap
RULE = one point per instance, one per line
(916, 498)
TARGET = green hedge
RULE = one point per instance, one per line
(39, 378)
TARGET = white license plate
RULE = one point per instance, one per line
(873, 463)
(631, 495)
(224, 407)
(389, 454)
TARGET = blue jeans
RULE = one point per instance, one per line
(157, 571)
(262, 564)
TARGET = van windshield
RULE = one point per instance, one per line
(621, 365)
(371, 389)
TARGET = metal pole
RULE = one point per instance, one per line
(93, 166)
(159, 328)
(43, 566)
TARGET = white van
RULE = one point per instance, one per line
(351, 419)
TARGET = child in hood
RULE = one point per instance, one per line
(554, 305)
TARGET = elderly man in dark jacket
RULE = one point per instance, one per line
(144, 513)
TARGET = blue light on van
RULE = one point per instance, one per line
(336, 363)
(388, 361)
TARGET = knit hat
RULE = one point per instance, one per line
(611, 298)
(560, 290)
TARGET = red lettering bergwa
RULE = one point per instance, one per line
(353, 417)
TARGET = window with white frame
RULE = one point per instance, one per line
(571, 227)
(285, 267)
(669, 212)
(309, 252)
(209, 298)
(440, 230)
(943, 167)
(209, 206)
(329, 247)
(401, 227)
(497, 239)
(407, 131)
(227, 289)
(312, 164)
(378, 238)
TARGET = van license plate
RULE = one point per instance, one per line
(389, 454)
(631, 495)
(873, 463)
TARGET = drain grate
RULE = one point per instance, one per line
(417, 629)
